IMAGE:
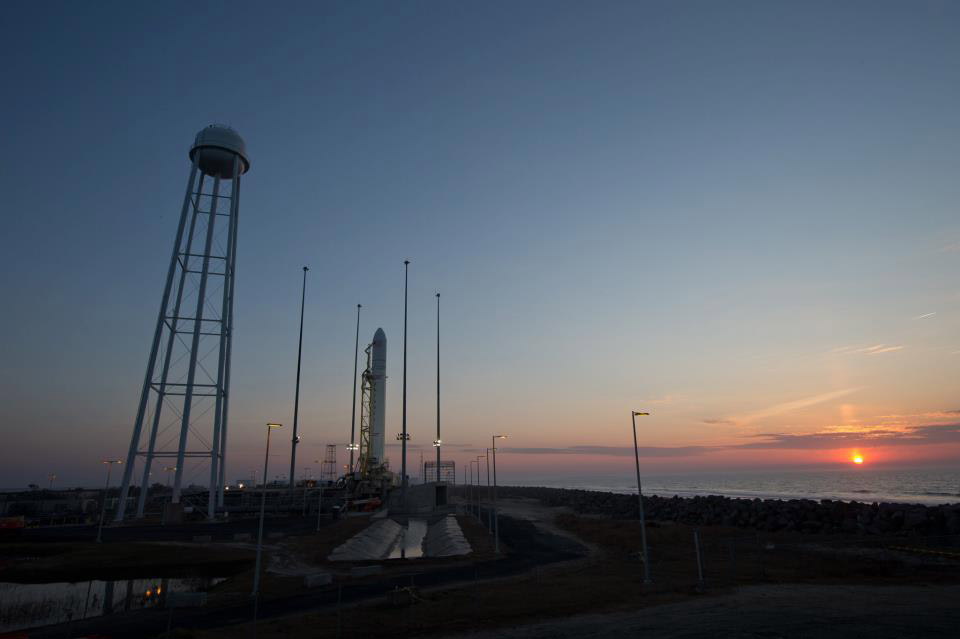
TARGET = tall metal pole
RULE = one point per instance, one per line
(296, 399)
(232, 270)
(158, 333)
(479, 516)
(496, 515)
(643, 524)
(195, 344)
(438, 442)
(106, 489)
(216, 458)
(263, 508)
(353, 414)
(489, 512)
(403, 469)
(165, 367)
(320, 506)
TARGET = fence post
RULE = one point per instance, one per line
(696, 545)
(339, 613)
(763, 573)
(733, 561)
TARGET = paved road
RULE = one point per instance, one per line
(531, 546)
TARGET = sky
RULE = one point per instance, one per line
(739, 217)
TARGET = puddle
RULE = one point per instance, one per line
(31, 605)
(410, 541)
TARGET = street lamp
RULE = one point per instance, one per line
(470, 489)
(437, 442)
(169, 470)
(479, 515)
(353, 406)
(643, 523)
(403, 441)
(490, 510)
(351, 447)
(263, 507)
(103, 511)
(496, 520)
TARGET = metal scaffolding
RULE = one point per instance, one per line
(185, 396)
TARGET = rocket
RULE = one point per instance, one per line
(378, 395)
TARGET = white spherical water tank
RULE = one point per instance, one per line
(215, 148)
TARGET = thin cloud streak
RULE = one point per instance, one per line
(786, 407)
(883, 349)
(924, 316)
(868, 350)
(912, 436)
(615, 451)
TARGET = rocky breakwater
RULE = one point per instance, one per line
(803, 515)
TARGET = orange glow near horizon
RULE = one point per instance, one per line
(856, 458)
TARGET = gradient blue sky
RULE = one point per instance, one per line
(737, 215)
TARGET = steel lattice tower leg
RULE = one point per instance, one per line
(193, 376)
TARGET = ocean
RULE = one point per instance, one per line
(937, 486)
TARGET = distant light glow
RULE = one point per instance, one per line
(857, 458)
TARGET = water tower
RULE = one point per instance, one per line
(184, 400)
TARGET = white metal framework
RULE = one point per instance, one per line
(185, 396)
(366, 404)
(328, 469)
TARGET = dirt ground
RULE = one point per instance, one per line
(793, 611)
(752, 586)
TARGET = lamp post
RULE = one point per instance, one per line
(479, 515)
(437, 441)
(320, 506)
(436, 444)
(169, 469)
(353, 411)
(403, 442)
(470, 489)
(103, 511)
(296, 397)
(643, 523)
(496, 519)
(490, 510)
(351, 447)
(263, 507)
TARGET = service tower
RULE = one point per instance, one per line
(373, 402)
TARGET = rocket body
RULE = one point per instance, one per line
(378, 395)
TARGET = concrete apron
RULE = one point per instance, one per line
(388, 539)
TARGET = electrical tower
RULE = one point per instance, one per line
(328, 470)
(185, 394)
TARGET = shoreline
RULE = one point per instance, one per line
(802, 515)
(928, 500)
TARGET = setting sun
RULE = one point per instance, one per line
(857, 459)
